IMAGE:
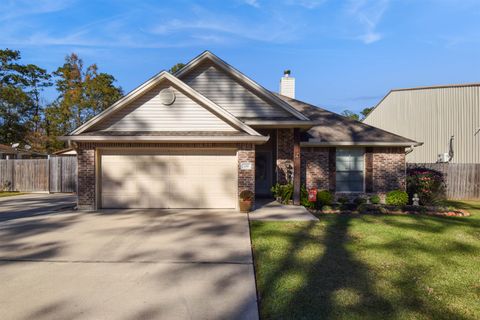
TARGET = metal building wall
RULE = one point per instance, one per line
(432, 115)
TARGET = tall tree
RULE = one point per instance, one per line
(16, 107)
(176, 67)
(350, 114)
(37, 79)
(365, 112)
(83, 93)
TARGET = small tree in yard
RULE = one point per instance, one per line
(428, 184)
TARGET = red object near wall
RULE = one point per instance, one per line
(312, 195)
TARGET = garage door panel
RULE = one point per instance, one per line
(169, 179)
(120, 201)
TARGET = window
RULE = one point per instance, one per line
(350, 169)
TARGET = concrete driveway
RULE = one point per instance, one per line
(132, 264)
(35, 204)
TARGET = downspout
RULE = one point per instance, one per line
(410, 149)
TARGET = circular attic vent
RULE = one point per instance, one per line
(167, 96)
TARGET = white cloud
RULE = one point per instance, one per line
(368, 13)
(309, 4)
(253, 3)
(274, 30)
(13, 9)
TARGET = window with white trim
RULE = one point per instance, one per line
(350, 169)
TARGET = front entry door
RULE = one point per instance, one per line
(263, 173)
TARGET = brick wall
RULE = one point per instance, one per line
(315, 168)
(86, 178)
(86, 165)
(388, 169)
(384, 169)
(285, 142)
(246, 178)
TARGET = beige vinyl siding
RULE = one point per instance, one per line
(222, 89)
(169, 179)
(147, 113)
(432, 115)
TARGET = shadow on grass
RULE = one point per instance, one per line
(333, 282)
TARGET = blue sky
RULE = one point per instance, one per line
(344, 54)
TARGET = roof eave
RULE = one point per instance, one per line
(166, 139)
(280, 124)
(360, 144)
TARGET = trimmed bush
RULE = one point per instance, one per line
(396, 198)
(343, 200)
(246, 195)
(324, 198)
(428, 184)
(327, 208)
(359, 201)
(375, 199)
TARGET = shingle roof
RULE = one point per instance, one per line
(333, 128)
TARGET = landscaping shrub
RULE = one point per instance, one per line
(324, 198)
(375, 199)
(428, 184)
(359, 201)
(343, 200)
(283, 191)
(304, 198)
(246, 195)
(363, 208)
(326, 208)
(396, 198)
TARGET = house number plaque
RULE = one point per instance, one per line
(246, 166)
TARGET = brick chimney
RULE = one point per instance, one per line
(287, 85)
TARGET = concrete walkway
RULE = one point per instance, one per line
(274, 211)
(127, 264)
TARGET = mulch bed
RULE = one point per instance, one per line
(389, 210)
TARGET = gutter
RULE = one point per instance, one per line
(313, 143)
(280, 124)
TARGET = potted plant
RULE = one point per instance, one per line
(246, 200)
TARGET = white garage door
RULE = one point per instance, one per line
(169, 179)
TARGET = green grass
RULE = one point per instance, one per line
(369, 267)
(9, 193)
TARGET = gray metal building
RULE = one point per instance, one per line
(432, 115)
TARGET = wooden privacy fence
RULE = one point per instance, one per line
(462, 179)
(57, 174)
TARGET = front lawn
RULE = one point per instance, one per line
(9, 193)
(369, 267)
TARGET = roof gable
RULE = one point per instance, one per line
(148, 113)
(131, 111)
(234, 90)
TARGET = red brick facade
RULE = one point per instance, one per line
(246, 178)
(384, 169)
(285, 141)
(388, 169)
(86, 165)
(315, 168)
(86, 178)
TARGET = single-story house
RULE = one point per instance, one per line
(65, 152)
(197, 138)
(9, 152)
